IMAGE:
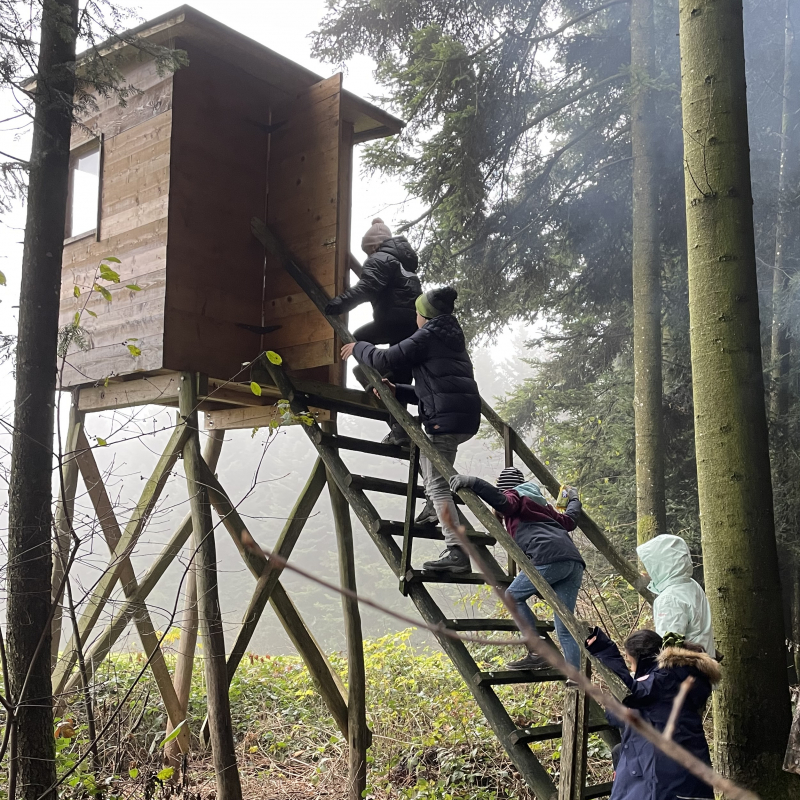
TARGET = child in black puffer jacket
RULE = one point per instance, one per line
(447, 396)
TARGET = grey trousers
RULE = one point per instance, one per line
(436, 487)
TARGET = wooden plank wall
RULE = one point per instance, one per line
(135, 190)
(303, 209)
(215, 267)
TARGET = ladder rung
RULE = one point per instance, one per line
(432, 532)
(365, 446)
(504, 676)
(369, 484)
(493, 625)
(598, 790)
(543, 733)
(472, 578)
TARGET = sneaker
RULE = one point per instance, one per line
(427, 516)
(397, 436)
(530, 661)
(453, 560)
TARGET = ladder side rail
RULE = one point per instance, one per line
(417, 435)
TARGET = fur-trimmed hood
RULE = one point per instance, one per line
(671, 657)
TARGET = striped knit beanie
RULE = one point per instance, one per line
(510, 478)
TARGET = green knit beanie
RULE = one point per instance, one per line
(436, 302)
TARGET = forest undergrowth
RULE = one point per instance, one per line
(430, 740)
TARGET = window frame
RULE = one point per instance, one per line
(95, 143)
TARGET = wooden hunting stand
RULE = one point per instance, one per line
(224, 191)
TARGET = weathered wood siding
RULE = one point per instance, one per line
(303, 210)
(215, 267)
(134, 197)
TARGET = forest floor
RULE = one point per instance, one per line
(430, 740)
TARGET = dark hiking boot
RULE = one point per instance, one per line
(530, 661)
(397, 436)
(453, 560)
(427, 516)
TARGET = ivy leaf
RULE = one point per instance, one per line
(108, 274)
(103, 291)
(134, 350)
(113, 260)
(133, 287)
(76, 320)
(76, 292)
(88, 311)
(255, 388)
(2, 279)
(133, 773)
(274, 358)
(101, 442)
(166, 773)
(167, 739)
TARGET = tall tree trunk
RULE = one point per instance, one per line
(30, 492)
(751, 707)
(647, 399)
(787, 237)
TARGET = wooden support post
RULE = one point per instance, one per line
(190, 622)
(358, 739)
(408, 524)
(322, 673)
(219, 712)
(64, 511)
(574, 737)
(94, 606)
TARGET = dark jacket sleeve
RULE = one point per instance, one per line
(493, 496)
(375, 277)
(405, 394)
(402, 356)
(642, 690)
(569, 520)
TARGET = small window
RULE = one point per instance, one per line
(84, 190)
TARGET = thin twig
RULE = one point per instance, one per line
(677, 705)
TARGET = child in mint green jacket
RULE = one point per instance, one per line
(681, 606)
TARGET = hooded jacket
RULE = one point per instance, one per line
(681, 605)
(643, 772)
(540, 530)
(388, 279)
(444, 385)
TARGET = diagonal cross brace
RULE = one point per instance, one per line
(446, 469)
(99, 597)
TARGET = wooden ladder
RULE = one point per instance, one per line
(585, 717)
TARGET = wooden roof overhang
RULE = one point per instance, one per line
(186, 26)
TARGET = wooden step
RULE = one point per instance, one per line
(598, 790)
(493, 625)
(394, 528)
(509, 676)
(365, 446)
(467, 578)
(369, 484)
(542, 733)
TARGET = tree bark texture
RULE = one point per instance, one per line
(647, 399)
(787, 233)
(30, 491)
(751, 706)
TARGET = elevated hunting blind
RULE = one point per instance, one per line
(221, 196)
(168, 184)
